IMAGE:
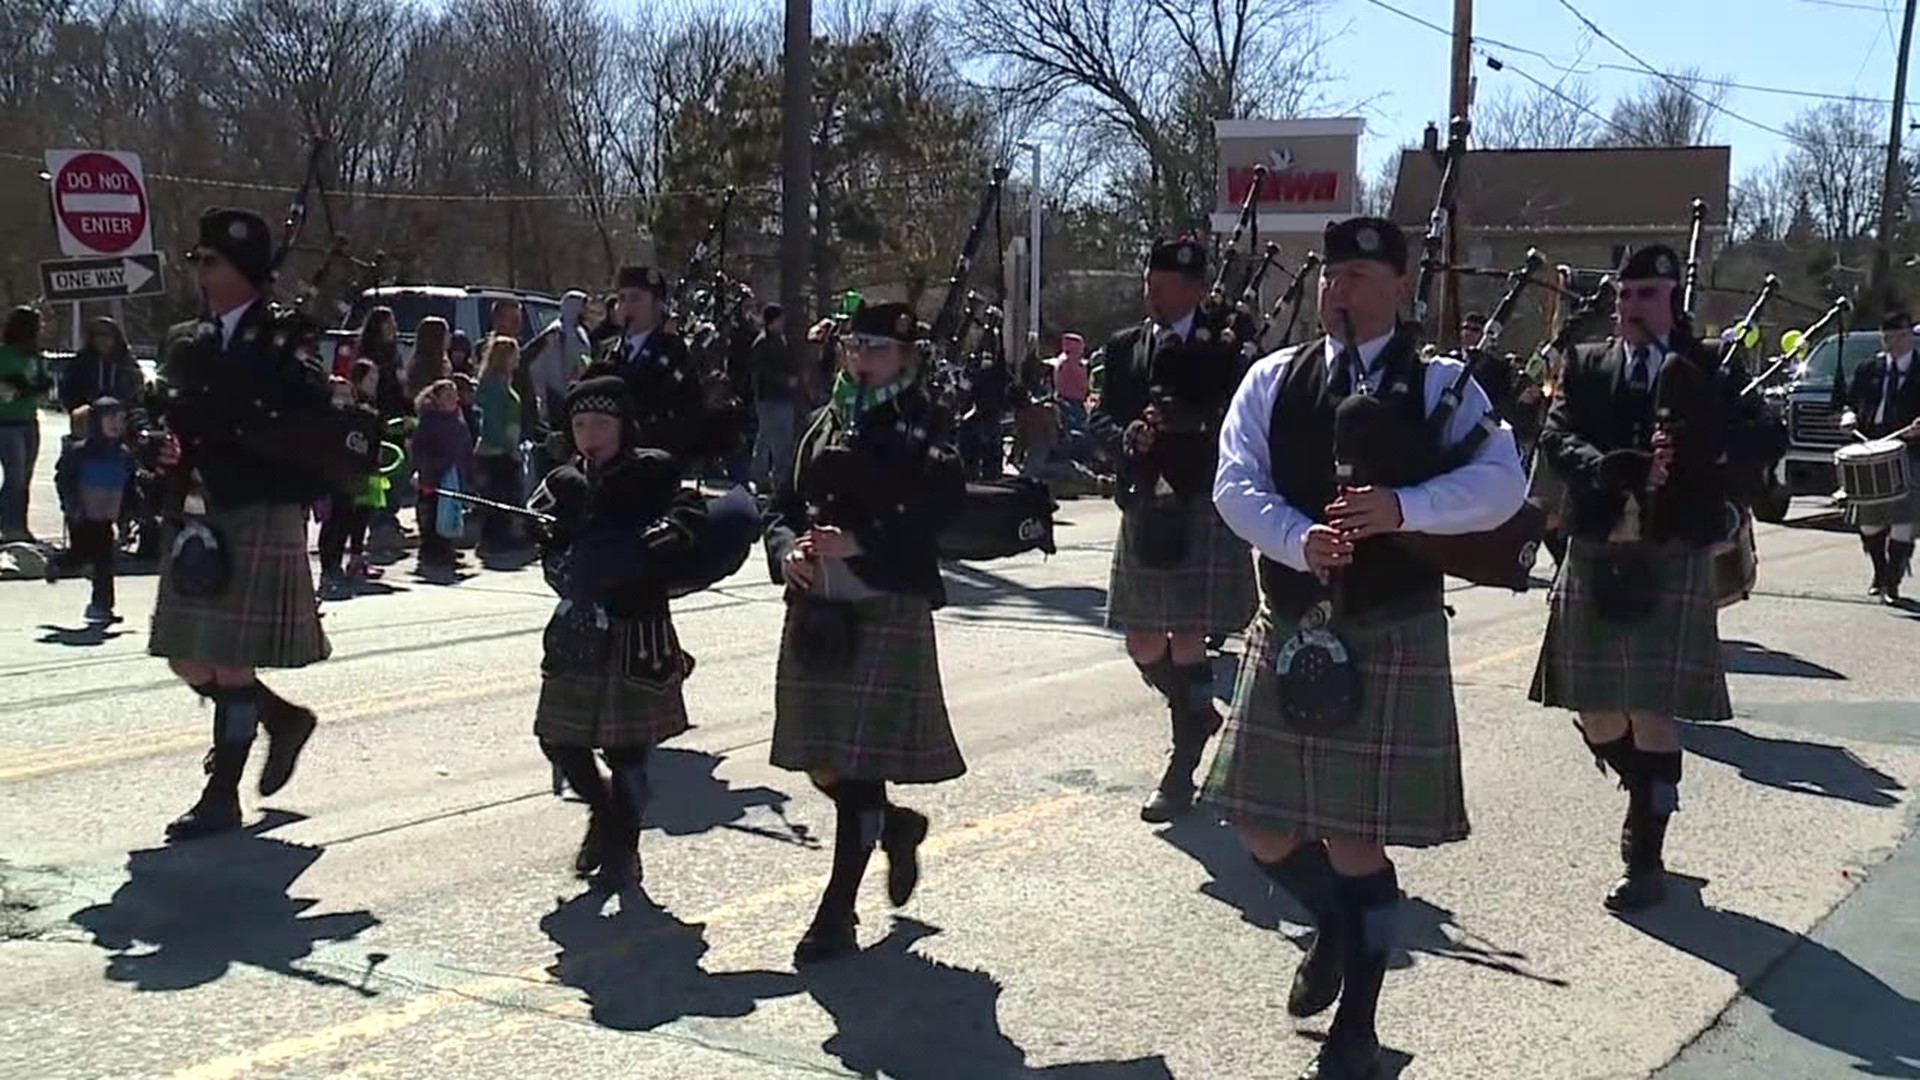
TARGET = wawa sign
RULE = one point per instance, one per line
(1311, 165)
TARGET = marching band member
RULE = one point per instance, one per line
(858, 701)
(236, 591)
(612, 674)
(1632, 637)
(1179, 574)
(1319, 795)
(663, 384)
(1882, 400)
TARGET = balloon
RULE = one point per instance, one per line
(1751, 339)
(1791, 341)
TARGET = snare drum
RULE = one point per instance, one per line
(1878, 482)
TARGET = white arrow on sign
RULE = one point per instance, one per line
(137, 275)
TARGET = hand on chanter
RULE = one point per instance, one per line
(1361, 512)
(831, 542)
(799, 568)
(1327, 550)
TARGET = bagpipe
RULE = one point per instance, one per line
(996, 518)
(710, 306)
(731, 529)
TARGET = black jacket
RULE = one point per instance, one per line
(1191, 381)
(669, 405)
(1603, 451)
(1862, 394)
(224, 404)
(893, 483)
(638, 502)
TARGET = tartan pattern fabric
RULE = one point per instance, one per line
(1212, 592)
(1670, 664)
(267, 617)
(1392, 777)
(884, 717)
(610, 710)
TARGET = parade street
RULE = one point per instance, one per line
(406, 909)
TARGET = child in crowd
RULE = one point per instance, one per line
(351, 508)
(498, 452)
(91, 476)
(441, 443)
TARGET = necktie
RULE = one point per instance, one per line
(1344, 365)
(1637, 378)
(1893, 389)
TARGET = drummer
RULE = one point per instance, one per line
(1881, 400)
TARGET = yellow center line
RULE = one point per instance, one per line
(377, 1024)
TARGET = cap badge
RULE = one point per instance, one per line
(1367, 239)
(903, 325)
(1183, 255)
(238, 230)
(1663, 265)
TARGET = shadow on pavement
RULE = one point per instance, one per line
(1808, 768)
(83, 637)
(689, 799)
(901, 1015)
(970, 587)
(1426, 928)
(1829, 999)
(1749, 658)
(190, 912)
(640, 967)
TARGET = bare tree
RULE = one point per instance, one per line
(1152, 76)
(1671, 109)
(1539, 119)
(1837, 163)
(1376, 191)
(1760, 208)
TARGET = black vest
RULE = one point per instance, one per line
(1383, 577)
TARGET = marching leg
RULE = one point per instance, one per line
(1370, 907)
(859, 819)
(288, 727)
(577, 765)
(1307, 875)
(900, 837)
(236, 712)
(1875, 545)
(1653, 795)
(1899, 562)
(1173, 795)
(620, 844)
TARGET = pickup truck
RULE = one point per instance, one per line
(1813, 424)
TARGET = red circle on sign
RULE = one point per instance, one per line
(100, 203)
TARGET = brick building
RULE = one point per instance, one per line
(1580, 207)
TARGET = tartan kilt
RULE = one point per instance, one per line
(1213, 591)
(610, 710)
(1669, 665)
(1391, 778)
(884, 717)
(267, 617)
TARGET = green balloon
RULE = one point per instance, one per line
(1791, 341)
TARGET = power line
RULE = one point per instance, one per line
(1845, 6)
(1678, 84)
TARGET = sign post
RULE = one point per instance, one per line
(100, 204)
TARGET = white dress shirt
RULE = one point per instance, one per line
(636, 342)
(1904, 365)
(1480, 495)
(1656, 358)
(230, 321)
(1181, 329)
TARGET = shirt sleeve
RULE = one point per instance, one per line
(1477, 496)
(1243, 487)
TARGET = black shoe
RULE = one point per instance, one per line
(288, 728)
(620, 868)
(1316, 982)
(900, 838)
(1342, 1058)
(587, 859)
(1638, 891)
(209, 817)
(827, 939)
(1172, 798)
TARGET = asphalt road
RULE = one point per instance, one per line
(404, 908)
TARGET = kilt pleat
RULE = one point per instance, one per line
(1212, 591)
(267, 617)
(884, 716)
(610, 710)
(1670, 664)
(1392, 777)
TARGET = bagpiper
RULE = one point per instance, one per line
(662, 381)
(1643, 432)
(1343, 740)
(1179, 574)
(236, 590)
(1881, 400)
(858, 702)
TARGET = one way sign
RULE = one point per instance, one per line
(67, 280)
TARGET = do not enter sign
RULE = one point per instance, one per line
(100, 202)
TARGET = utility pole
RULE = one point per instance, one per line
(1893, 185)
(1459, 101)
(796, 179)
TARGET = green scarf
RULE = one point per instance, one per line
(849, 402)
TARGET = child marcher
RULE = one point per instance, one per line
(92, 476)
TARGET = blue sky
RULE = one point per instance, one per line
(1844, 47)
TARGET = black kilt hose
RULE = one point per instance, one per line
(1392, 777)
(881, 716)
(266, 617)
(1669, 664)
(1212, 591)
(611, 709)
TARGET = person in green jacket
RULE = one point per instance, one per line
(24, 385)
(497, 452)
